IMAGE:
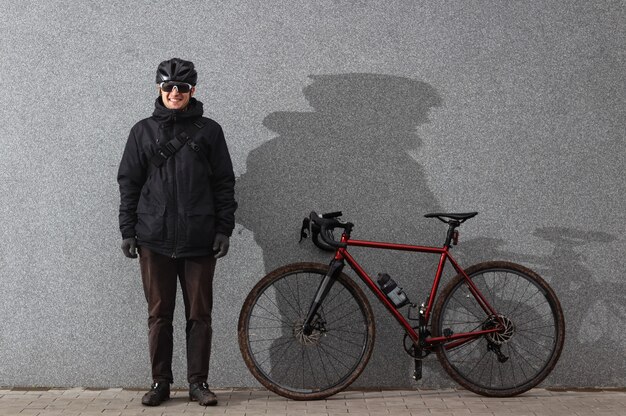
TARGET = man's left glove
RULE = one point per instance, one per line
(221, 245)
(129, 247)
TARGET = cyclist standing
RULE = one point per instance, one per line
(177, 212)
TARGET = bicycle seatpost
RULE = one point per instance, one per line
(452, 233)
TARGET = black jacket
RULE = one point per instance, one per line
(178, 208)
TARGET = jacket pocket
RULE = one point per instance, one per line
(150, 222)
(200, 227)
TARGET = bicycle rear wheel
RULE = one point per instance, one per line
(507, 362)
(281, 356)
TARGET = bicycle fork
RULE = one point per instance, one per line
(336, 266)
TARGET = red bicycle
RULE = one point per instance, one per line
(306, 330)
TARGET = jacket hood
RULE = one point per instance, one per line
(164, 115)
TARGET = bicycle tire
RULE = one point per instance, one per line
(531, 341)
(286, 361)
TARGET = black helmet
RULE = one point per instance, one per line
(176, 69)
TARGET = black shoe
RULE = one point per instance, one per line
(200, 392)
(159, 392)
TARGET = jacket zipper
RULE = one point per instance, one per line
(175, 210)
(175, 195)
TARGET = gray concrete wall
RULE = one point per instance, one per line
(512, 109)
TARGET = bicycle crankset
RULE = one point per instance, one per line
(413, 350)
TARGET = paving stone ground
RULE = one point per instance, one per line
(254, 402)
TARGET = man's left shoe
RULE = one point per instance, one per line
(200, 392)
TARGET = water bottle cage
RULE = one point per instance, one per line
(393, 292)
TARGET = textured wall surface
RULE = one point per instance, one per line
(513, 109)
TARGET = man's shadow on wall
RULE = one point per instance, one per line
(594, 310)
(349, 153)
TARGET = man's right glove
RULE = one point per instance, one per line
(129, 247)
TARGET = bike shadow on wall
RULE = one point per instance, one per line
(349, 153)
(595, 310)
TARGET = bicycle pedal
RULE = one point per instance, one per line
(417, 373)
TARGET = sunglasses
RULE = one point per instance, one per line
(181, 87)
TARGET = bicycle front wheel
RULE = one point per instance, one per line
(286, 360)
(510, 361)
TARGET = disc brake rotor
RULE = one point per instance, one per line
(502, 336)
(315, 336)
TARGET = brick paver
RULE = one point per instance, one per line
(252, 402)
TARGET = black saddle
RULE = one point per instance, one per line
(460, 218)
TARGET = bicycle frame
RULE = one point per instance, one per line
(454, 340)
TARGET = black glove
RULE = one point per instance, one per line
(221, 244)
(129, 247)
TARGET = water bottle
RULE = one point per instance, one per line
(394, 293)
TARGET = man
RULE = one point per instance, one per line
(177, 211)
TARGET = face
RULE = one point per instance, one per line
(176, 100)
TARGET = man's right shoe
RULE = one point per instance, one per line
(159, 392)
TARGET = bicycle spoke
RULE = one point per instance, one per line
(289, 340)
(340, 361)
(345, 340)
(319, 354)
(286, 300)
(271, 302)
(356, 309)
(270, 327)
(265, 340)
(280, 346)
(329, 301)
(294, 295)
(270, 319)
(310, 366)
(544, 317)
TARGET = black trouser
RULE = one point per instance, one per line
(159, 274)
